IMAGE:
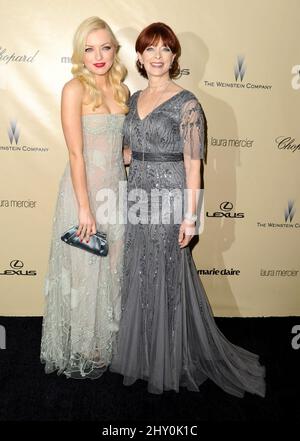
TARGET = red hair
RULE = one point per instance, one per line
(151, 36)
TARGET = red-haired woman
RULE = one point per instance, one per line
(167, 333)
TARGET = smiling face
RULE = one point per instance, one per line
(157, 59)
(99, 52)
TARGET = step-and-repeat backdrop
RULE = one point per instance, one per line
(242, 60)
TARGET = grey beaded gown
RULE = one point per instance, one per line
(83, 291)
(167, 333)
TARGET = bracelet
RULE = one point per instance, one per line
(190, 217)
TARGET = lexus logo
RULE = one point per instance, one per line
(226, 206)
(17, 269)
(16, 264)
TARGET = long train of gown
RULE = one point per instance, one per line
(83, 291)
(167, 334)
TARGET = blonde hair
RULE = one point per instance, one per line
(116, 73)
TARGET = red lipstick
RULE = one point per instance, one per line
(99, 64)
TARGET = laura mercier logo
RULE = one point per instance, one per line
(279, 272)
(287, 143)
(224, 142)
(14, 203)
(226, 211)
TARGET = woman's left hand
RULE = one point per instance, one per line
(127, 156)
(186, 232)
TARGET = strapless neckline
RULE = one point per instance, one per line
(103, 114)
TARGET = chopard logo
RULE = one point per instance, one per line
(7, 58)
(287, 143)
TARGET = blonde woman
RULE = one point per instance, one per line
(82, 290)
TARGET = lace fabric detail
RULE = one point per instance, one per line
(83, 291)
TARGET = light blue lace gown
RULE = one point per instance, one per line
(168, 335)
(82, 293)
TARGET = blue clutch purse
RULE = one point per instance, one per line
(97, 244)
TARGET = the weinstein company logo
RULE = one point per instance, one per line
(16, 269)
(289, 213)
(296, 77)
(14, 135)
(239, 74)
(226, 211)
(240, 68)
(287, 143)
(13, 132)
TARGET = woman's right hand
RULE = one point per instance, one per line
(87, 224)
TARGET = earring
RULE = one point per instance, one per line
(140, 64)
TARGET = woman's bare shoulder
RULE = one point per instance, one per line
(73, 88)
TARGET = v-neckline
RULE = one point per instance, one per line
(157, 107)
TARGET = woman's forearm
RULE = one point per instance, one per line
(192, 186)
(78, 175)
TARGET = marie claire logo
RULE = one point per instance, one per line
(226, 211)
(219, 272)
(296, 77)
(65, 60)
(289, 213)
(13, 132)
(7, 58)
(287, 143)
(238, 143)
(16, 269)
(239, 74)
